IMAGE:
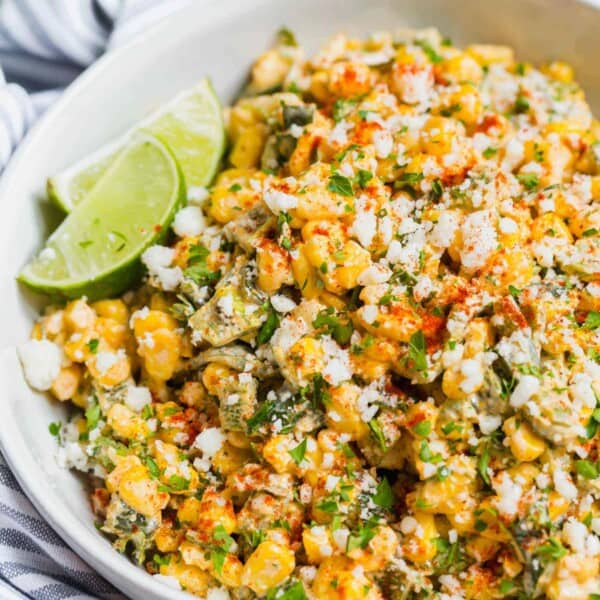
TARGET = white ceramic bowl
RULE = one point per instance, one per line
(218, 38)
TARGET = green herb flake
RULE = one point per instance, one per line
(489, 152)
(422, 429)
(363, 177)
(529, 180)
(54, 428)
(417, 351)
(92, 416)
(592, 321)
(298, 452)
(338, 184)
(587, 469)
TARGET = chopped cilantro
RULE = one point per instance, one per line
(592, 321)
(298, 452)
(340, 185)
(587, 469)
(417, 351)
(93, 345)
(92, 416)
(236, 187)
(363, 177)
(423, 428)
(529, 180)
(590, 232)
(489, 152)
(54, 428)
(551, 550)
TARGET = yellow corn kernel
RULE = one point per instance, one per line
(273, 266)
(478, 337)
(510, 267)
(188, 512)
(305, 275)
(550, 225)
(420, 546)
(195, 556)
(318, 543)
(482, 549)
(350, 262)
(152, 320)
(231, 571)
(347, 79)
(109, 368)
(524, 443)
(79, 316)
(138, 490)
(585, 222)
(226, 204)
(127, 424)
(380, 549)
(307, 358)
(462, 67)
(158, 300)
(343, 414)
(338, 579)
(487, 54)
(191, 578)
(487, 523)
(451, 380)
(215, 509)
(171, 464)
(168, 539)
(268, 566)
(269, 70)
(64, 387)
(161, 354)
(558, 505)
(112, 309)
(213, 376)
(574, 576)
(248, 147)
(110, 331)
(559, 70)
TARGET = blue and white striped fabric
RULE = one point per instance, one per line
(44, 45)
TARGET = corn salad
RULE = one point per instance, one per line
(367, 366)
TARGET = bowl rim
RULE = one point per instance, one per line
(87, 545)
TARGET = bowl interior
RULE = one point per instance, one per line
(218, 39)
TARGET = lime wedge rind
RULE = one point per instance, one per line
(191, 124)
(95, 251)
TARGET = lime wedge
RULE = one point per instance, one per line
(191, 125)
(95, 251)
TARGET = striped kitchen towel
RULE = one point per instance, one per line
(44, 45)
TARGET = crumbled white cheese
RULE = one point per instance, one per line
(157, 260)
(444, 230)
(209, 442)
(415, 85)
(509, 494)
(364, 227)
(137, 397)
(225, 305)
(564, 485)
(41, 360)
(527, 387)
(374, 274)
(282, 304)
(189, 221)
(472, 372)
(369, 313)
(197, 194)
(337, 366)
(489, 423)
(479, 239)
(106, 360)
(383, 143)
(71, 455)
(508, 226)
(279, 201)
